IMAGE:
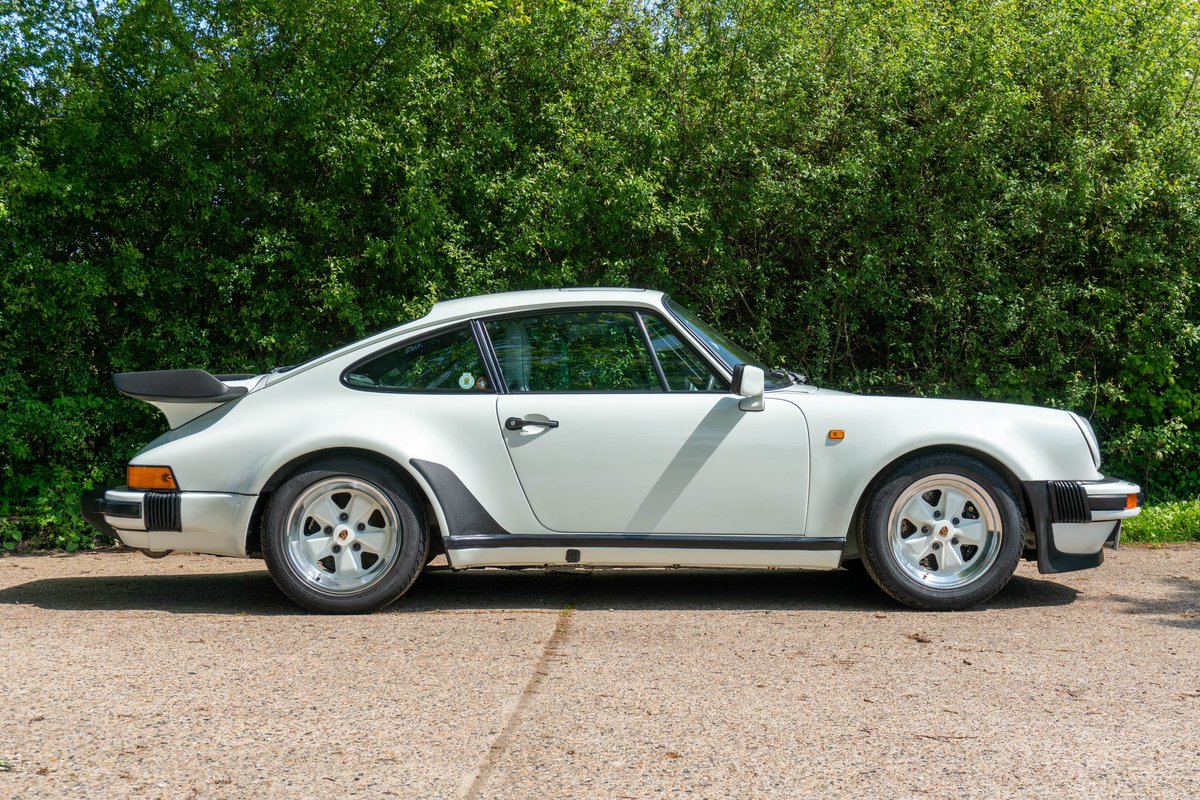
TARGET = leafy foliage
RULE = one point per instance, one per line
(1166, 522)
(986, 198)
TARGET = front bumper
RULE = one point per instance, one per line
(200, 522)
(1074, 520)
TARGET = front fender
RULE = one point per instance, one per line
(1030, 443)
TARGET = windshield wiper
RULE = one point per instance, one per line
(793, 378)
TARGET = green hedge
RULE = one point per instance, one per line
(973, 199)
(1163, 523)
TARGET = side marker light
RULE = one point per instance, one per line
(151, 478)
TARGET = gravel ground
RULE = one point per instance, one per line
(193, 677)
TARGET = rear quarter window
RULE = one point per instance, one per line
(444, 362)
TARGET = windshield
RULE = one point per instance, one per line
(713, 339)
(727, 351)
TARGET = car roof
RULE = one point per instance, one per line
(504, 302)
(484, 305)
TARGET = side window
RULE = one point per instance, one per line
(684, 370)
(447, 362)
(576, 351)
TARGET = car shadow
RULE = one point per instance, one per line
(1179, 609)
(252, 592)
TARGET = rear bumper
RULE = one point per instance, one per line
(201, 522)
(94, 507)
(1074, 520)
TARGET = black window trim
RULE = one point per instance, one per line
(679, 323)
(477, 326)
(467, 325)
(491, 364)
(697, 352)
(658, 370)
(667, 319)
(726, 369)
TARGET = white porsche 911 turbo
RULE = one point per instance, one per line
(599, 427)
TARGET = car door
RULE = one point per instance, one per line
(615, 424)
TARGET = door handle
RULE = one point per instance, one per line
(516, 423)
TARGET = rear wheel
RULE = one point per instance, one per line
(344, 536)
(942, 532)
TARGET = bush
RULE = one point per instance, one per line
(973, 199)
(1168, 522)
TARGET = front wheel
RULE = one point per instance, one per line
(943, 532)
(344, 536)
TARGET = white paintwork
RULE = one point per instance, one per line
(682, 462)
(1033, 443)
(216, 523)
(751, 389)
(1081, 537)
(179, 413)
(646, 462)
(214, 520)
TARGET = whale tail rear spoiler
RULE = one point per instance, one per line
(183, 394)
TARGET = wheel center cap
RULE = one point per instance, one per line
(343, 533)
(944, 531)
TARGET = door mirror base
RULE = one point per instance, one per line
(749, 382)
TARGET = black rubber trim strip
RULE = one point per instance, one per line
(176, 386)
(89, 506)
(658, 370)
(1050, 559)
(128, 508)
(1106, 502)
(464, 514)
(1068, 501)
(491, 364)
(164, 511)
(731, 541)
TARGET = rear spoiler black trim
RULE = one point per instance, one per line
(176, 386)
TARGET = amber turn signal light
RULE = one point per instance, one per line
(151, 478)
(837, 435)
(1131, 501)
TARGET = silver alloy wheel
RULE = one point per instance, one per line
(945, 531)
(342, 534)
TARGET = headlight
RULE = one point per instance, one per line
(1089, 435)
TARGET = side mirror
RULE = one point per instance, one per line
(749, 382)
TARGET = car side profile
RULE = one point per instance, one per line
(599, 427)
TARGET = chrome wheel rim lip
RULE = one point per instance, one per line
(984, 533)
(310, 554)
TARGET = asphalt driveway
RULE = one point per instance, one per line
(193, 677)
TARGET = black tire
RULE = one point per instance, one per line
(384, 580)
(891, 559)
